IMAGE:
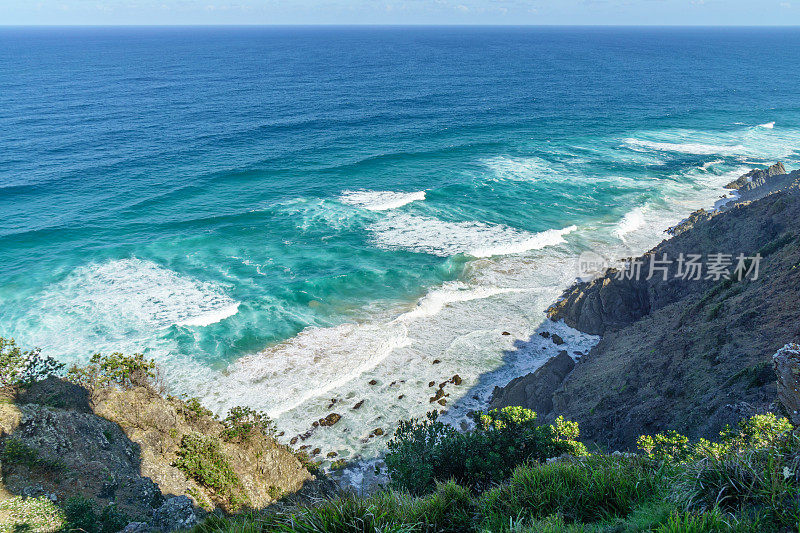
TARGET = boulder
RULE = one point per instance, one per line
(330, 420)
(786, 363)
(175, 514)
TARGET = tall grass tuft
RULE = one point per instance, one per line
(580, 490)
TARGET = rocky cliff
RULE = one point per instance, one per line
(138, 450)
(685, 354)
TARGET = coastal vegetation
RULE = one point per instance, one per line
(747, 480)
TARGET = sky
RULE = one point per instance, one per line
(517, 12)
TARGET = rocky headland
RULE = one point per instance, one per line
(678, 352)
(125, 455)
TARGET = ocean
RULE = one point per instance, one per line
(299, 219)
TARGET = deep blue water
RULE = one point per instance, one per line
(207, 194)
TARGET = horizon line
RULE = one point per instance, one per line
(404, 25)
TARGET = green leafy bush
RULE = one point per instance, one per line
(449, 509)
(16, 452)
(193, 410)
(754, 433)
(751, 467)
(314, 467)
(116, 369)
(424, 452)
(20, 367)
(764, 479)
(244, 422)
(670, 446)
(81, 516)
(200, 458)
(343, 515)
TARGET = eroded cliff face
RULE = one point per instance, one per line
(121, 446)
(690, 355)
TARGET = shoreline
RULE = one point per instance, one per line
(574, 343)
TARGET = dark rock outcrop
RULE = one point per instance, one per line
(756, 178)
(786, 363)
(175, 514)
(618, 299)
(604, 303)
(330, 420)
(535, 391)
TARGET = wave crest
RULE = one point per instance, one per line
(381, 200)
(685, 148)
(445, 239)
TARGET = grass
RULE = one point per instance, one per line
(579, 491)
(18, 514)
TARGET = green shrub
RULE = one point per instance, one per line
(200, 458)
(760, 479)
(112, 519)
(343, 515)
(19, 514)
(579, 490)
(670, 446)
(18, 367)
(80, 515)
(424, 452)
(314, 467)
(193, 410)
(16, 452)
(244, 422)
(116, 369)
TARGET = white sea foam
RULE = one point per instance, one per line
(713, 163)
(404, 231)
(632, 221)
(307, 366)
(211, 317)
(450, 293)
(381, 200)
(522, 168)
(137, 293)
(686, 148)
(768, 125)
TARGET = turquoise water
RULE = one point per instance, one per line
(280, 215)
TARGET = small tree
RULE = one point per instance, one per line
(244, 422)
(117, 369)
(19, 367)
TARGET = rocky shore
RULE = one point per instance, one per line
(678, 352)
